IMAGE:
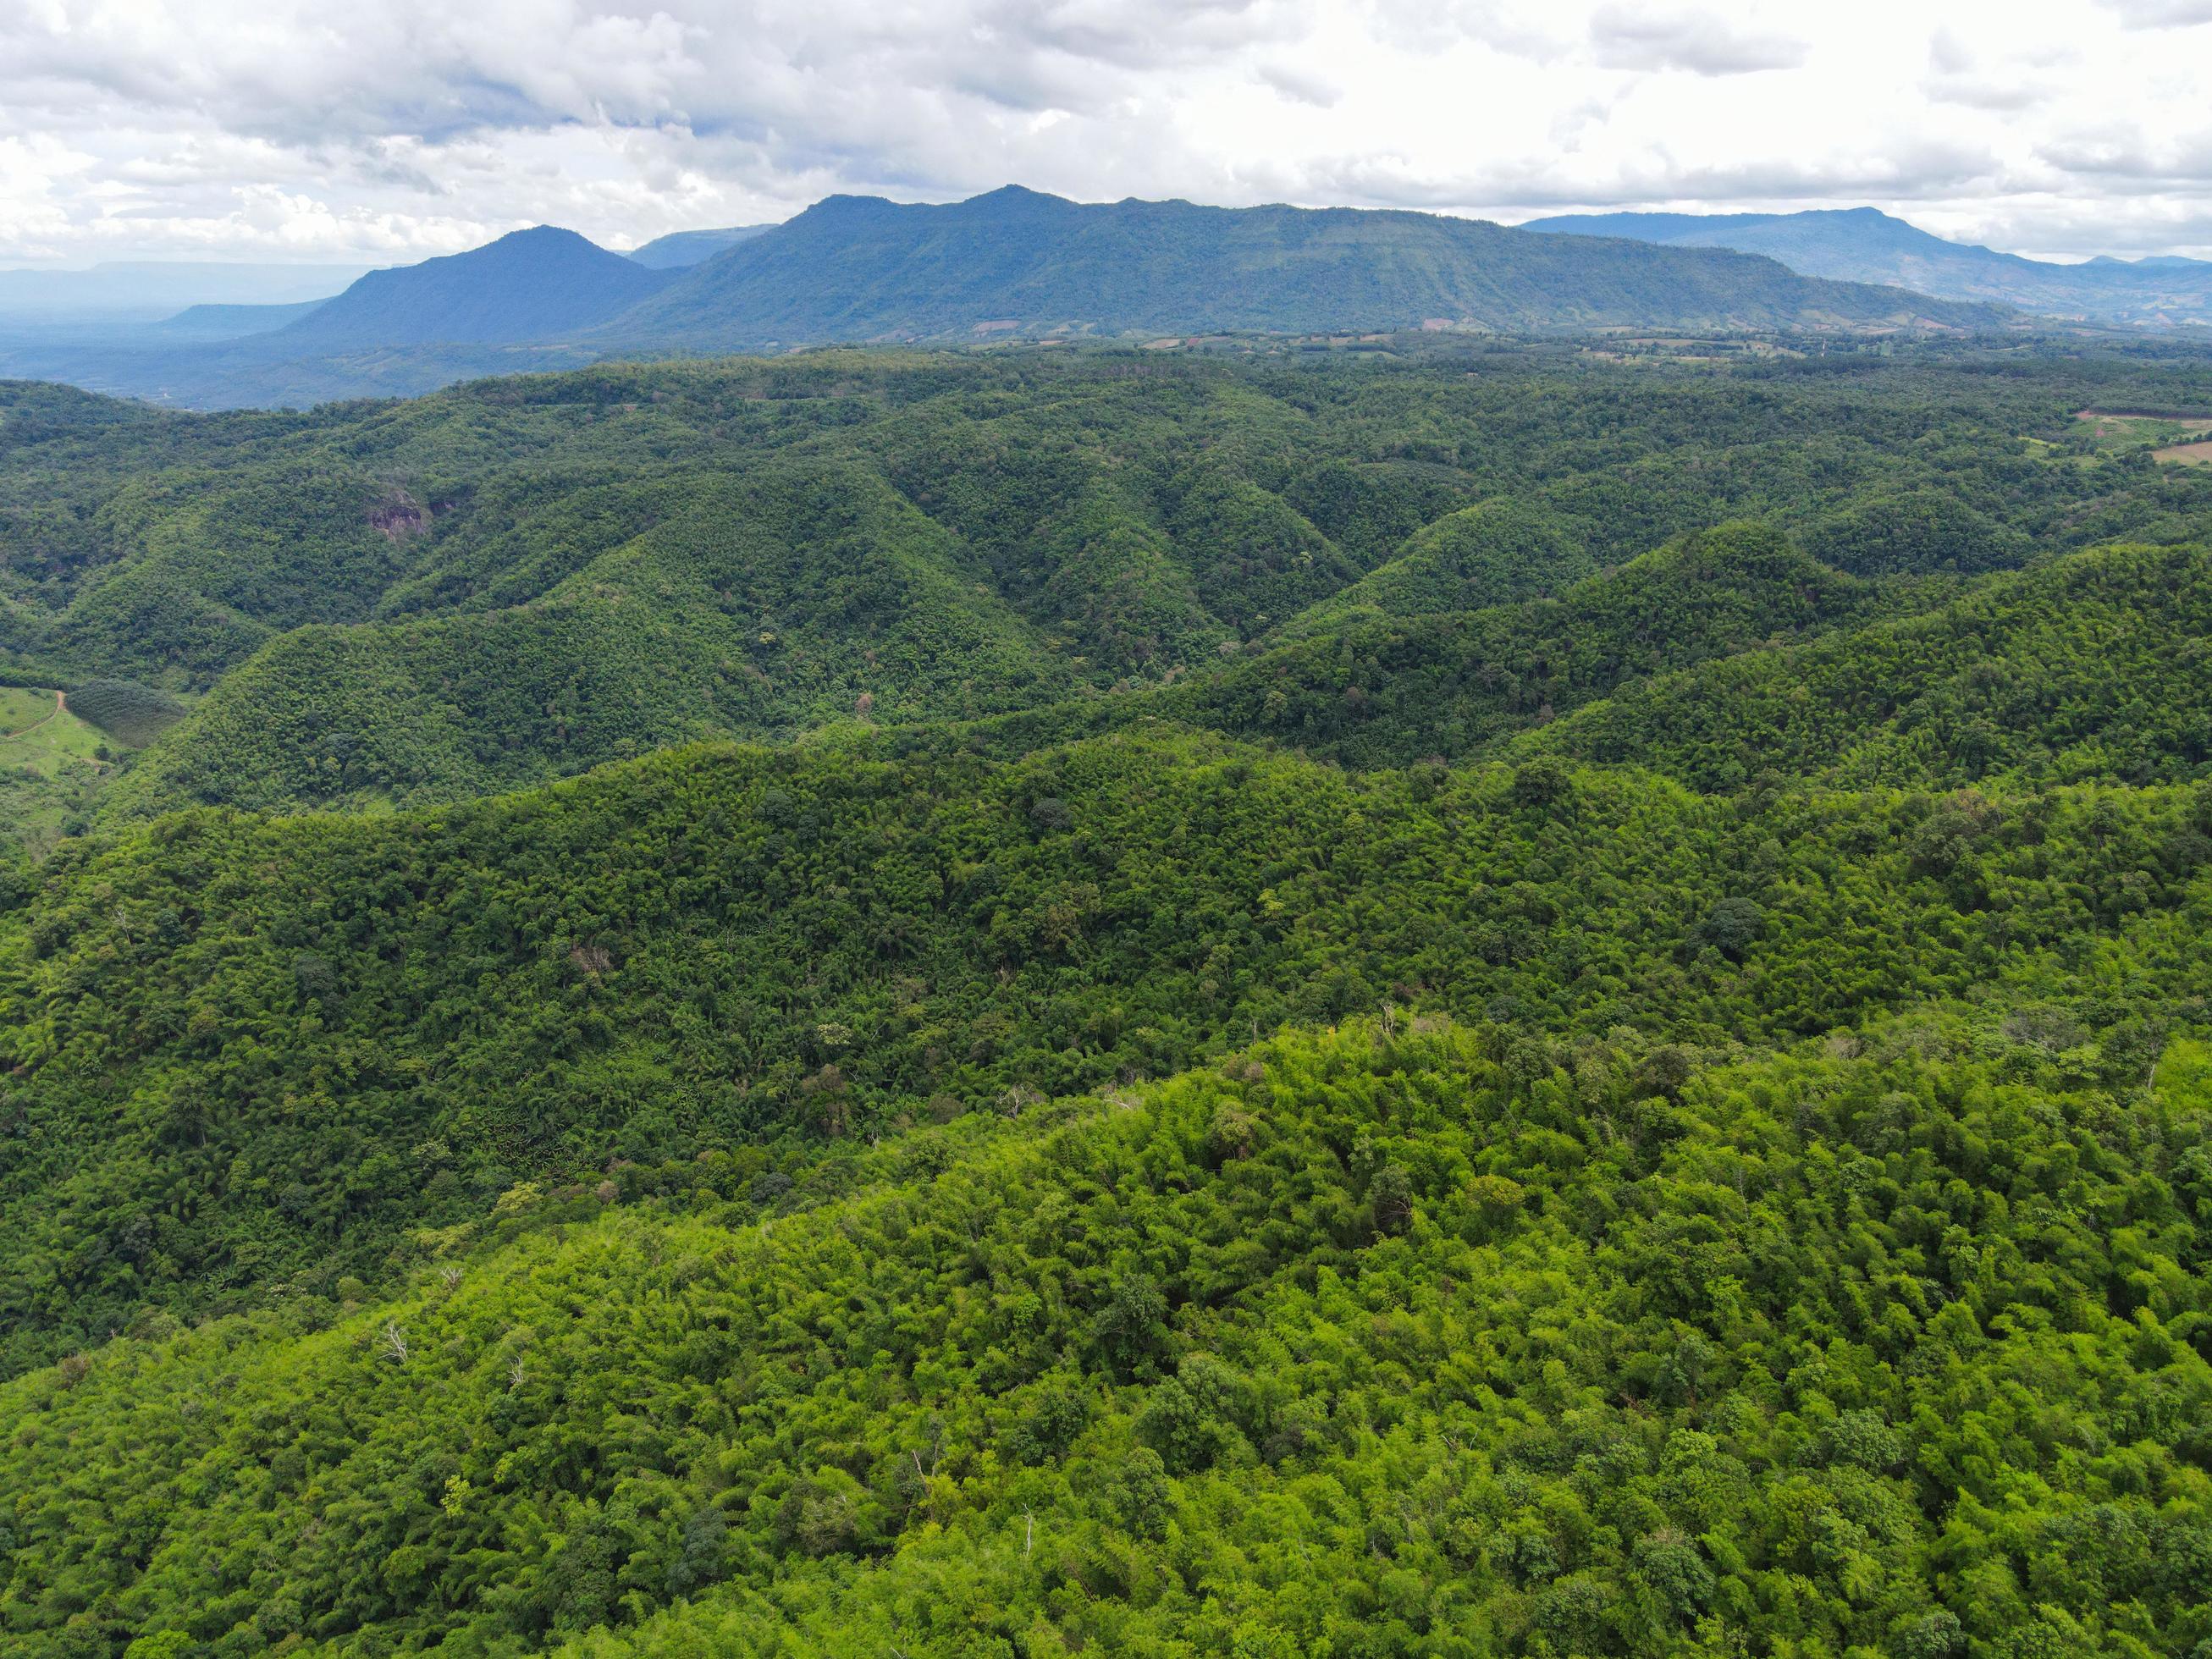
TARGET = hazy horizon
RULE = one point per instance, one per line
(352, 269)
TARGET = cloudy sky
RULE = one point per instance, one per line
(374, 131)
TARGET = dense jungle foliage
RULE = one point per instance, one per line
(1424, 1342)
(509, 582)
(321, 1033)
(1500, 1005)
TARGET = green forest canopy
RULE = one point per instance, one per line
(386, 603)
(1490, 1006)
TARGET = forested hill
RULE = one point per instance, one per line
(2093, 666)
(529, 285)
(1813, 1155)
(1016, 262)
(516, 581)
(1515, 1005)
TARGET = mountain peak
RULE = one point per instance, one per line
(537, 242)
(844, 208)
(531, 284)
(1015, 195)
(537, 234)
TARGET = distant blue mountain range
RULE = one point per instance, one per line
(1862, 245)
(689, 248)
(1017, 264)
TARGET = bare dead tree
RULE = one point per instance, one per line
(936, 1451)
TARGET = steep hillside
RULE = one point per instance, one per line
(803, 597)
(1498, 553)
(2094, 666)
(250, 1052)
(1389, 692)
(1019, 262)
(530, 285)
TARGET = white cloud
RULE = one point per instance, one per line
(1642, 37)
(1301, 85)
(2162, 14)
(1958, 74)
(380, 129)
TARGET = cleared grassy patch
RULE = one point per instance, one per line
(52, 764)
(20, 707)
(38, 730)
(2120, 428)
